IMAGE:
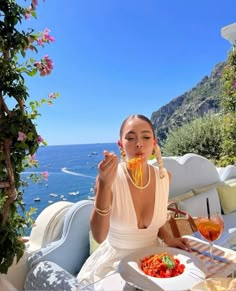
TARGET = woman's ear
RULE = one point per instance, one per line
(119, 143)
(155, 141)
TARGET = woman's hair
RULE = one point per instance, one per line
(157, 149)
(144, 118)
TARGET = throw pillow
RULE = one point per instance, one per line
(227, 196)
(206, 188)
(231, 182)
(182, 196)
(196, 205)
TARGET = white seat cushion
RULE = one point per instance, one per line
(196, 205)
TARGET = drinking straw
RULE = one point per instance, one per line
(208, 208)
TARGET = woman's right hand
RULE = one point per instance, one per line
(107, 168)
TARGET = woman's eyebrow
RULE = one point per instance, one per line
(143, 131)
(131, 131)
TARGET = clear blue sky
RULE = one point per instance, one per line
(114, 58)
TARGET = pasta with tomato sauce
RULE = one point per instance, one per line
(162, 265)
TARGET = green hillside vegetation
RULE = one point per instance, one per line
(202, 136)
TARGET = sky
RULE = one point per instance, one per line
(113, 58)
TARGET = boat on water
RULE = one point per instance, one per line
(53, 194)
(36, 199)
(74, 193)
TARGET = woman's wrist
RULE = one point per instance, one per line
(102, 211)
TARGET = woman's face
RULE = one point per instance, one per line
(137, 139)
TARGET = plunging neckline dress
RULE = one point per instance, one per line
(124, 236)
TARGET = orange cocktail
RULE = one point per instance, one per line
(211, 229)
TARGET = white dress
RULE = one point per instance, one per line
(124, 234)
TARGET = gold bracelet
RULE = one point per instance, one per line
(102, 212)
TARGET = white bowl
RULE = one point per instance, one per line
(218, 281)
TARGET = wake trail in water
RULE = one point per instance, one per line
(64, 170)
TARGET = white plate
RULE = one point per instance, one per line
(131, 272)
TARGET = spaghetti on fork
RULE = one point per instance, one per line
(136, 169)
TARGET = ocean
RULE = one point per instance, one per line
(72, 170)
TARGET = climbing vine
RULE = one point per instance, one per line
(228, 103)
(19, 139)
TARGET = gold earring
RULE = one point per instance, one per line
(122, 154)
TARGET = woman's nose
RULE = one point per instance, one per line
(139, 145)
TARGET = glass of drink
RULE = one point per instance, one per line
(210, 227)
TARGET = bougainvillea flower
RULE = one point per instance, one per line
(40, 41)
(39, 139)
(48, 37)
(45, 38)
(52, 96)
(32, 160)
(21, 136)
(45, 66)
(34, 2)
(45, 175)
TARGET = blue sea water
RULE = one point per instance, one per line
(72, 170)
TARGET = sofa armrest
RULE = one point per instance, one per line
(47, 275)
(72, 249)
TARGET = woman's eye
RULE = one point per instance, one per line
(130, 138)
(146, 137)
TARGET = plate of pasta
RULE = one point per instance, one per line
(162, 268)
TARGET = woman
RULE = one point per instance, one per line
(130, 201)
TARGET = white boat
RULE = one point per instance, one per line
(37, 199)
(53, 194)
(74, 193)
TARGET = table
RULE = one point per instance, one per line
(114, 282)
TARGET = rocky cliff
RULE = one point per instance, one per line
(201, 99)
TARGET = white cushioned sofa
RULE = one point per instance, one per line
(194, 178)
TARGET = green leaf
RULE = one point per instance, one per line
(170, 264)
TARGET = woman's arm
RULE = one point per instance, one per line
(100, 217)
(171, 241)
(168, 238)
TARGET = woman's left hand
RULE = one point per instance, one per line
(180, 242)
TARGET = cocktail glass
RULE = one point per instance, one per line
(210, 227)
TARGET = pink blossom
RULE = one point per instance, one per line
(27, 16)
(32, 160)
(28, 12)
(21, 136)
(45, 175)
(33, 157)
(39, 139)
(52, 96)
(40, 41)
(45, 66)
(34, 2)
(47, 37)
(234, 85)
